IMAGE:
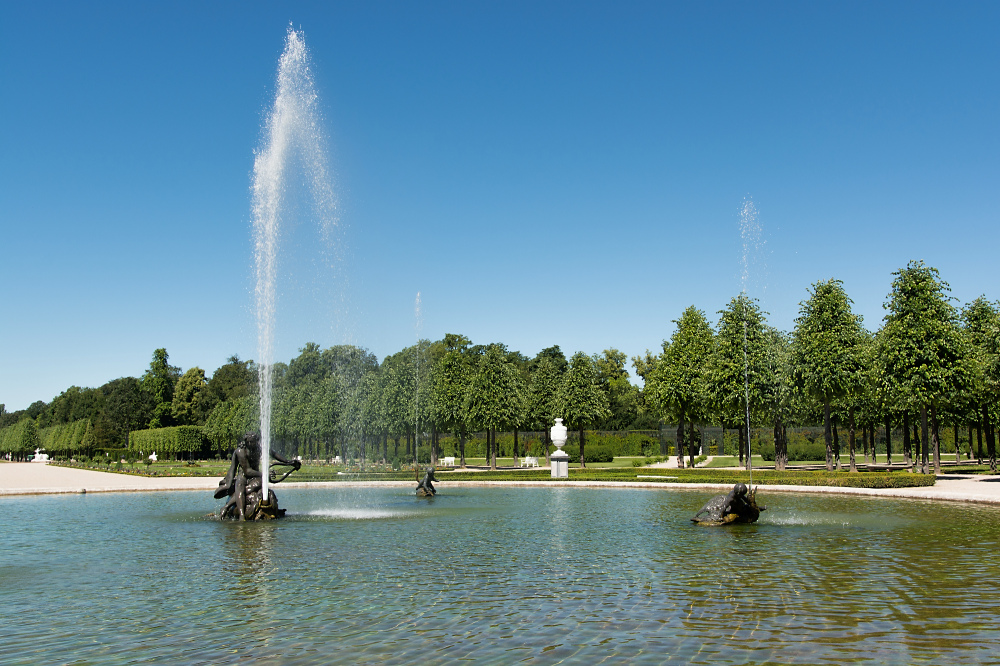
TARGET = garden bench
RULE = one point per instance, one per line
(448, 461)
(529, 461)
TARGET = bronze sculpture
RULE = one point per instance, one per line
(242, 483)
(739, 505)
(425, 488)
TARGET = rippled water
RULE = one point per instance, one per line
(496, 575)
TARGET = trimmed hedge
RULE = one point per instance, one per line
(177, 439)
(64, 438)
(19, 439)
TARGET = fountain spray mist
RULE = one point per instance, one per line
(291, 132)
(417, 324)
(751, 236)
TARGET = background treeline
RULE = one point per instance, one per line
(931, 366)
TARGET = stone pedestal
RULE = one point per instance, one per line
(559, 458)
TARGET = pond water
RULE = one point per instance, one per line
(498, 575)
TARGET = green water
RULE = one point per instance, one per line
(494, 575)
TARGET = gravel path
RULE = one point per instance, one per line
(42, 479)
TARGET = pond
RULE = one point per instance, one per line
(540, 575)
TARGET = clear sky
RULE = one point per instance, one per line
(541, 172)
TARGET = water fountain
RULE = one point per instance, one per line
(750, 234)
(291, 133)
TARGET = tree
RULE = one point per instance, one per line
(451, 380)
(740, 378)
(127, 406)
(188, 397)
(981, 322)
(543, 397)
(159, 381)
(923, 358)
(231, 381)
(496, 396)
(827, 348)
(623, 396)
(679, 381)
(581, 400)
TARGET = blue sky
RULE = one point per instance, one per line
(542, 173)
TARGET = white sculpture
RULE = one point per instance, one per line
(559, 458)
(40, 457)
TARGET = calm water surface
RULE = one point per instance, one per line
(540, 575)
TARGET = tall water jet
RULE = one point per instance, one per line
(291, 133)
(751, 236)
(417, 324)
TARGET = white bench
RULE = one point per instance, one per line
(448, 461)
(336, 460)
(529, 461)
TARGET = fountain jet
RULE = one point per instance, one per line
(291, 133)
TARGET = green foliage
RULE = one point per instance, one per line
(186, 408)
(923, 356)
(677, 383)
(19, 439)
(64, 438)
(623, 396)
(827, 344)
(581, 401)
(798, 450)
(496, 395)
(159, 382)
(176, 439)
(737, 371)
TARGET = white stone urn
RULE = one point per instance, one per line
(559, 458)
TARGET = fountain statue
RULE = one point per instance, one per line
(243, 483)
(425, 488)
(737, 506)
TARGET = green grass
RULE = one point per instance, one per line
(594, 472)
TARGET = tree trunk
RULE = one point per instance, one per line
(836, 445)
(936, 440)
(434, 445)
(979, 441)
(991, 448)
(907, 446)
(742, 435)
(778, 462)
(691, 441)
(958, 449)
(784, 446)
(924, 441)
(888, 441)
(547, 443)
(679, 443)
(850, 437)
(461, 445)
(864, 442)
(492, 437)
(827, 436)
(515, 447)
(583, 463)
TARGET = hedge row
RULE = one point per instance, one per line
(19, 439)
(177, 439)
(67, 437)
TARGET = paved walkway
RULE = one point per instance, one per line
(41, 479)
(37, 479)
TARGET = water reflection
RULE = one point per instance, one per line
(535, 574)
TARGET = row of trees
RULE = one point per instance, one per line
(930, 364)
